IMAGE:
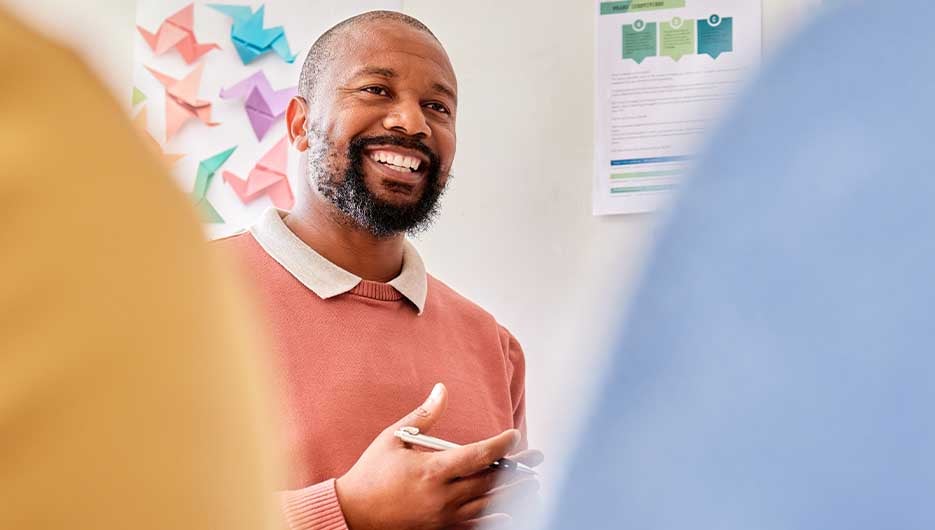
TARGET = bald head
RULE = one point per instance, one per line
(325, 49)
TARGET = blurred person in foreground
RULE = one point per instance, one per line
(128, 394)
(777, 371)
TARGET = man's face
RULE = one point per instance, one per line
(382, 127)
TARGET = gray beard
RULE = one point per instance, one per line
(348, 192)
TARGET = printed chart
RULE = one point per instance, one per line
(666, 72)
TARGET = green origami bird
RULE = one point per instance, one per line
(206, 170)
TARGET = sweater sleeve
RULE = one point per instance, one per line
(314, 507)
(516, 369)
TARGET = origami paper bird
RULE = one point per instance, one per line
(177, 32)
(206, 171)
(249, 37)
(263, 104)
(268, 177)
(182, 103)
(142, 124)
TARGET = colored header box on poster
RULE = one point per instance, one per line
(639, 40)
(632, 6)
(677, 38)
(715, 36)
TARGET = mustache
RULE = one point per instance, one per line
(360, 143)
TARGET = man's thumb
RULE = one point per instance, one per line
(428, 412)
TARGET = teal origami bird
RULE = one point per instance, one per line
(206, 171)
(250, 38)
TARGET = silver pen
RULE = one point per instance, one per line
(413, 436)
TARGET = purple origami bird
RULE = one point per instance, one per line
(263, 104)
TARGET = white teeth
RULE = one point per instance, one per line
(409, 162)
(404, 164)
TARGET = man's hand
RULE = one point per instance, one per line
(397, 487)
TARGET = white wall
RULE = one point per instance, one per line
(516, 234)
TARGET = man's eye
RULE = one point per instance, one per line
(376, 90)
(438, 107)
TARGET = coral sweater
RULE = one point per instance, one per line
(354, 356)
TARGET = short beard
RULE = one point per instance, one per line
(350, 195)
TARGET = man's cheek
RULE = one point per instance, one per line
(444, 170)
(338, 159)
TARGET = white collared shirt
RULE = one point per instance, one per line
(323, 277)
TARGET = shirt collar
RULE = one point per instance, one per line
(323, 277)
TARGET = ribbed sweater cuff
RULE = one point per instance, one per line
(313, 508)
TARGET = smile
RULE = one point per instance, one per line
(396, 161)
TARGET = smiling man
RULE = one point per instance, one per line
(361, 332)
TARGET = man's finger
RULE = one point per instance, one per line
(505, 499)
(494, 521)
(529, 457)
(477, 485)
(427, 413)
(476, 457)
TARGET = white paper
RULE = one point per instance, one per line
(653, 111)
(303, 20)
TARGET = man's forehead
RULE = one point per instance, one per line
(393, 46)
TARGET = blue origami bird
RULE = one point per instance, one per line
(250, 38)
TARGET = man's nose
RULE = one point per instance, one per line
(406, 116)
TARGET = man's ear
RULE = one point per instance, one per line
(296, 115)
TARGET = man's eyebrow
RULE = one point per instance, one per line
(377, 71)
(446, 91)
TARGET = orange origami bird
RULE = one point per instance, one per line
(182, 103)
(178, 32)
(268, 177)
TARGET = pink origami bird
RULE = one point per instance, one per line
(268, 177)
(182, 103)
(178, 32)
(263, 104)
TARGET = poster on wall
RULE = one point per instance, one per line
(666, 72)
(211, 82)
